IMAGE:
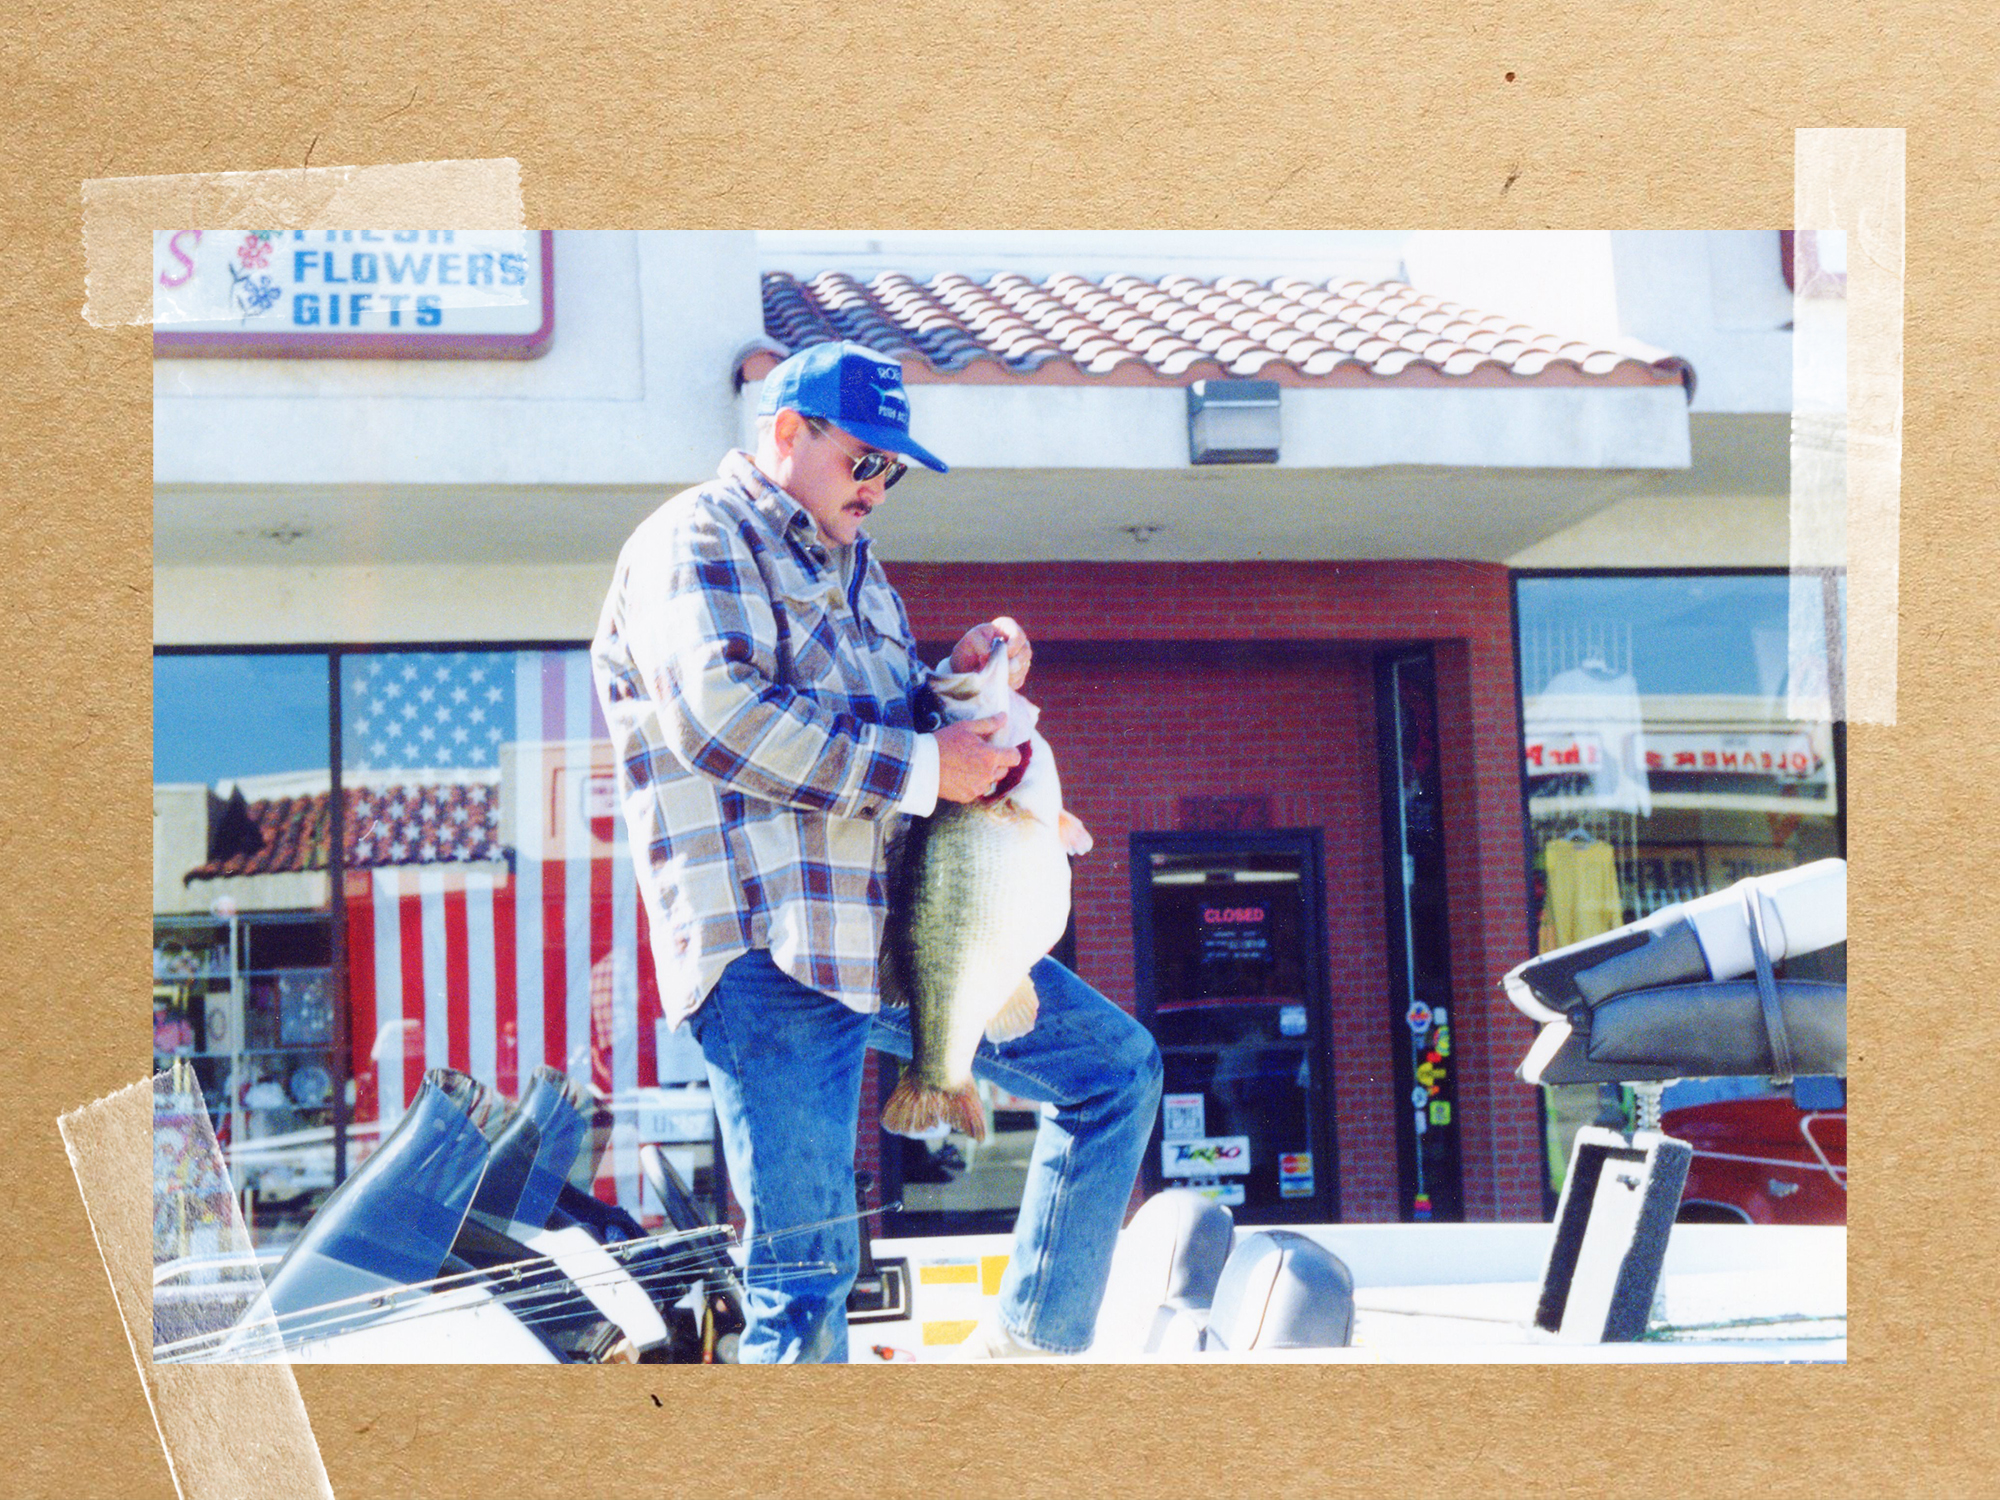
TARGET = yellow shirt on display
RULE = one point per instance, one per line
(1583, 898)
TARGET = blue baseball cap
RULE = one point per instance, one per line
(853, 387)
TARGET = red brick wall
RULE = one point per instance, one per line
(1181, 714)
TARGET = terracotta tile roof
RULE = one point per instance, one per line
(448, 823)
(1128, 330)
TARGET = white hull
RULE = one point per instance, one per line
(1448, 1294)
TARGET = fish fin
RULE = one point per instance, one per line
(1075, 837)
(915, 1109)
(889, 981)
(1017, 1016)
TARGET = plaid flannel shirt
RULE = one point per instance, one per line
(759, 711)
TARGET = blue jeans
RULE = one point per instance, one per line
(785, 1064)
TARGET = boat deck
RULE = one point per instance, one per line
(1449, 1293)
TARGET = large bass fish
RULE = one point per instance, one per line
(978, 893)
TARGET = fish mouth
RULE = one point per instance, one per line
(1012, 776)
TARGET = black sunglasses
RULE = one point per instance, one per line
(864, 466)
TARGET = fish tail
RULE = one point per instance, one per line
(917, 1108)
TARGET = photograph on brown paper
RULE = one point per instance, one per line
(614, 899)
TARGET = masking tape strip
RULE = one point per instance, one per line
(121, 213)
(228, 1430)
(1847, 384)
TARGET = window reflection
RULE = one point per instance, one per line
(494, 924)
(491, 919)
(1678, 736)
(242, 957)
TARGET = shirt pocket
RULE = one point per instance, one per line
(809, 632)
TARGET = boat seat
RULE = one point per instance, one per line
(1282, 1290)
(1164, 1274)
(1694, 990)
(1714, 1030)
(393, 1223)
(1719, 1028)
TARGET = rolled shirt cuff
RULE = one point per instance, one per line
(920, 792)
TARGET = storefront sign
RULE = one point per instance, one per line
(353, 293)
(673, 1114)
(1295, 1174)
(1235, 933)
(1782, 753)
(1218, 915)
(1764, 754)
(1184, 1116)
(1562, 754)
(1206, 1156)
(600, 795)
(1654, 875)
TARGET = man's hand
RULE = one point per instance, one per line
(968, 767)
(975, 649)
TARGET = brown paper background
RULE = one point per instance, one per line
(1193, 115)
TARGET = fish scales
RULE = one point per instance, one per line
(985, 893)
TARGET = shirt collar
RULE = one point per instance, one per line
(775, 504)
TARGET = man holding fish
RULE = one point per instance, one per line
(759, 678)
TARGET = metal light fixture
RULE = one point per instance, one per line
(1233, 422)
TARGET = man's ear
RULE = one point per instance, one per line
(785, 429)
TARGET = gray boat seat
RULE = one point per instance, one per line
(1694, 990)
(1719, 1029)
(1164, 1275)
(1282, 1290)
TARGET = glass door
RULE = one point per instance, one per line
(1231, 969)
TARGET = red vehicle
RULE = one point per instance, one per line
(1768, 1159)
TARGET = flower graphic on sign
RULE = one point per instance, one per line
(254, 295)
(251, 295)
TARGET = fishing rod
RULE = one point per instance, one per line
(389, 1297)
(542, 1300)
(775, 1276)
(401, 1304)
(298, 1332)
(552, 1302)
(299, 1326)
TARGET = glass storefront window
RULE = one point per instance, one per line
(242, 958)
(491, 922)
(1680, 732)
(494, 924)
(226, 716)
